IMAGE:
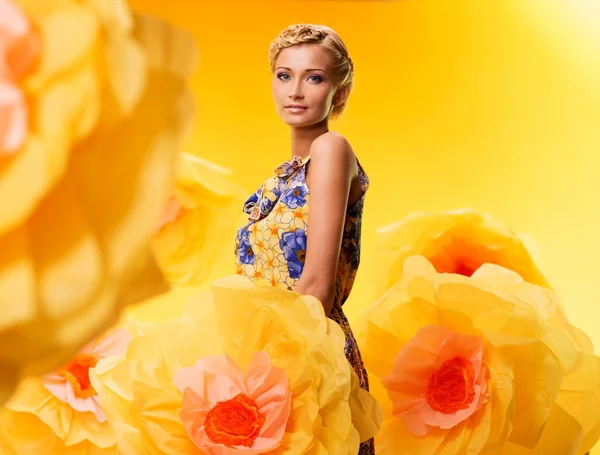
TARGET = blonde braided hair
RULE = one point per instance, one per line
(326, 37)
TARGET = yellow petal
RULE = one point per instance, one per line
(78, 240)
(540, 375)
(366, 412)
(580, 397)
(23, 433)
(210, 206)
(23, 174)
(239, 319)
(562, 435)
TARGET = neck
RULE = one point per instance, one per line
(303, 137)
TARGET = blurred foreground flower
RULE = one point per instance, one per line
(457, 241)
(93, 104)
(60, 413)
(192, 233)
(482, 364)
(247, 370)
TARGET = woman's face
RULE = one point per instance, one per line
(304, 78)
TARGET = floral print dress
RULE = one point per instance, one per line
(272, 246)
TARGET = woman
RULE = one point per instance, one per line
(316, 254)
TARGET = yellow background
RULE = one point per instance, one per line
(493, 105)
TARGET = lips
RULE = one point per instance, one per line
(295, 106)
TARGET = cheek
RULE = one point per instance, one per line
(325, 97)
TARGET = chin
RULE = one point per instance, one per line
(300, 121)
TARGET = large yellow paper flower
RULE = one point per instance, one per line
(59, 413)
(198, 223)
(457, 241)
(478, 365)
(96, 103)
(248, 370)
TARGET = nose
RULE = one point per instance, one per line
(295, 94)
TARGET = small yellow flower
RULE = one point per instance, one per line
(271, 233)
(95, 123)
(254, 270)
(481, 364)
(266, 354)
(280, 210)
(272, 275)
(297, 218)
(259, 243)
(270, 259)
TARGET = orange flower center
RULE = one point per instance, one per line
(235, 422)
(464, 269)
(450, 388)
(77, 373)
(455, 255)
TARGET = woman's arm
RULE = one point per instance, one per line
(332, 168)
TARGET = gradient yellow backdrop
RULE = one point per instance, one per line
(493, 105)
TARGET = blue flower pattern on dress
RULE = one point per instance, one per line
(271, 246)
(294, 197)
(244, 249)
(293, 244)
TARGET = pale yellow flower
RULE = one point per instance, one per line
(273, 276)
(297, 218)
(269, 356)
(270, 259)
(198, 223)
(106, 105)
(457, 241)
(59, 413)
(485, 364)
(255, 270)
(271, 234)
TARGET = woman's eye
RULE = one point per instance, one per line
(313, 78)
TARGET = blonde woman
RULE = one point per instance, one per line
(304, 223)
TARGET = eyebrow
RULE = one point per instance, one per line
(306, 71)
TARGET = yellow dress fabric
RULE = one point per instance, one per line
(271, 246)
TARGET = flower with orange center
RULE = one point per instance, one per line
(457, 241)
(251, 411)
(93, 107)
(481, 364)
(249, 369)
(60, 412)
(76, 372)
(297, 218)
(234, 422)
(192, 233)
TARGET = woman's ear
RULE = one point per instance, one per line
(341, 95)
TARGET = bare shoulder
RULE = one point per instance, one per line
(331, 143)
(332, 150)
